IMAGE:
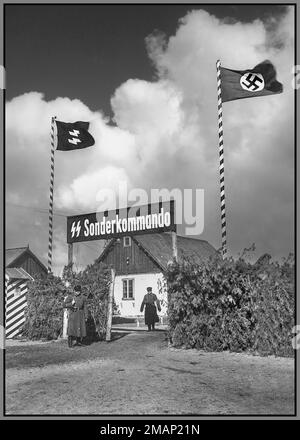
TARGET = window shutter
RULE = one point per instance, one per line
(130, 290)
(124, 288)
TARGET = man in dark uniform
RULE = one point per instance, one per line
(149, 301)
(77, 317)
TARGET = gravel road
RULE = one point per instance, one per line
(138, 374)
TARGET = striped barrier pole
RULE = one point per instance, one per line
(15, 304)
(221, 163)
(50, 241)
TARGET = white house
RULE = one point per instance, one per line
(141, 260)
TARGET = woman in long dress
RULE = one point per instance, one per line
(149, 301)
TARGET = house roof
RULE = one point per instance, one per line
(18, 273)
(11, 255)
(159, 248)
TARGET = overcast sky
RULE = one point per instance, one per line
(144, 76)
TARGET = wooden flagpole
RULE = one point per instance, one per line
(70, 255)
(221, 163)
(51, 197)
(110, 305)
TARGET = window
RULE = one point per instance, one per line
(128, 289)
(127, 241)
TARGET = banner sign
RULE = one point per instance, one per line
(133, 220)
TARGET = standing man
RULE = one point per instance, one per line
(149, 301)
(77, 317)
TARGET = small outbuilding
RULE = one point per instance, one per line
(21, 266)
(25, 258)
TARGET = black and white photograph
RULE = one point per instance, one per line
(149, 197)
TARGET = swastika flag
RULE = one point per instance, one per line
(239, 84)
(73, 136)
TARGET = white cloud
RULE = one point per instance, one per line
(83, 193)
(166, 134)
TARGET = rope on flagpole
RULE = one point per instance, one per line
(221, 163)
(50, 241)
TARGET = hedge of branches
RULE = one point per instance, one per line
(44, 312)
(232, 305)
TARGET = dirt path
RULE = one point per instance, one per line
(139, 374)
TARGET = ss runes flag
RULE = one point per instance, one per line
(73, 136)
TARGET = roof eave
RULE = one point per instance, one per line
(105, 250)
(152, 257)
(32, 255)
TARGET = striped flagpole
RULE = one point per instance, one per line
(51, 197)
(221, 166)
